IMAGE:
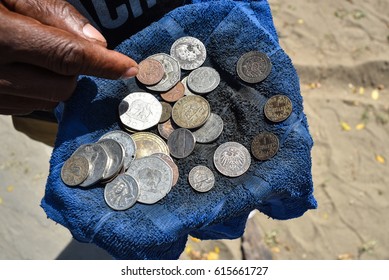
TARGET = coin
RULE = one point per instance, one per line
(264, 145)
(75, 170)
(127, 142)
(154, 177)
(186, 89)
(115, 152)
(191, 111)
(140, 110)
(166, 112)
(210, 131)
(232, 159)
(201, 178)
(181, 143)
(172, 72)
(203, 80)
(148, 143)
(165, 129)
(122, 192)
(253, 67)
(278, 108)
(174, 93)
(189, 51)
(150, 72)
(172, 164)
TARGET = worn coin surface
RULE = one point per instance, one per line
(253, 67)
(189, 51)
(148, 143)
(154, 177)
(181, 143)
(203, 80)
(201, 178)
(191, 111)
(232, 159)
(165, 129)
(265, 145)
(211, 130)
(174, 93)
(172, 164)
(172, 72)
(150, 72)
(75, 170)
(140, 110)
(278, 108)
(115, 152)
(122, 192)
(166, 112)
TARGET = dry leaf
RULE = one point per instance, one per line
(275, 249)
(361, 90)
(10, 188)
(300, 21)
(345, 257)
(375, 94)
(212, 256)
(1, 200)
(380, 159)
(360, 126)
(345, 126)
(216, 250)
(194, 239)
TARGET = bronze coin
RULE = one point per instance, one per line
(278, 108)
(166, 112)
(175, 93)
(165, 129)
(150, 72)
(253, 67)
(265, 145)
(181, 143)
(191, 111)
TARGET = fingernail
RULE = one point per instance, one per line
(91, 32)
(131, 72)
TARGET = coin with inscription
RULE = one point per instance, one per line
(166, 112)
(165, 129)
(278, 108)
(203, 80)
(122, 192)
(201, 178)
(253, 67)
(210, 131)
(181, 143)
(150, 72)
(140, 110)
(265, 145)
(75, 170)
(174, 93)
(189, 51)
(148, 143)
(191, 111)
(115, 152)
(172, 164)
(232, 159)
(172, 72)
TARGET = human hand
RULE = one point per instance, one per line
(44, 46)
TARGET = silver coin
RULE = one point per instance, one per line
(187, 91)
(98, 160)
(211, 130)
(127, 142)
(232, 159)
(189, 51)
(140, 111)
(75, 170)
(154, 177)
(172, 72)
(203, 80)
(201, 178)
(181, 143)
(122, 192)
(253, 67)
(115, 152)
(172, 164)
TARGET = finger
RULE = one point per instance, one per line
(15, 105)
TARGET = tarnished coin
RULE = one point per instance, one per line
(186, 89)
(203, 80)
(148, 143)
(75, 170)
(210, 131)
(115, 152)
(181, 143)
(189, 51)
(172, 72)
(174, 93)
(150, 72)
(165, 129)
(166, 112)
(232, 159)
(140, 110)
(191, 111)
(172, 164)
(201, 178)
(278, 108)
(122, 192)
(154, 177)
(98, 160)
(265, 145)
(127, 142)
(253, 67)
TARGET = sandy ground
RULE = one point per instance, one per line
(341, 52)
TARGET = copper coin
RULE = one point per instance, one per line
(191, 111)
(253, 67)
(278, 108)
(166, 112)
(175, 93)
(181, 143)
(165, 129)
(150, 72)
(264, 145)
(172, 164)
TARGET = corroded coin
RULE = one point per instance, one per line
(165, 129)
(172, 164)
(75, 170)
(201, 178)
(148, 143)
(150, 72)
(278, 108)
(174, 93)
(154, 177)
(122, 192)
(253, 67)
(115, 152)
(203, 80)
(140, 110)
(191, 111)
(172, 72)
(232, 159)
(166, 112)
(181, 143)
(264, 145)
(210, 131)
(189, 51)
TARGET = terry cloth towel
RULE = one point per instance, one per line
(280, 188)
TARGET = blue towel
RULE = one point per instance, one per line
(280, 188)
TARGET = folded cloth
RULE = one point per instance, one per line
(280, 188)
